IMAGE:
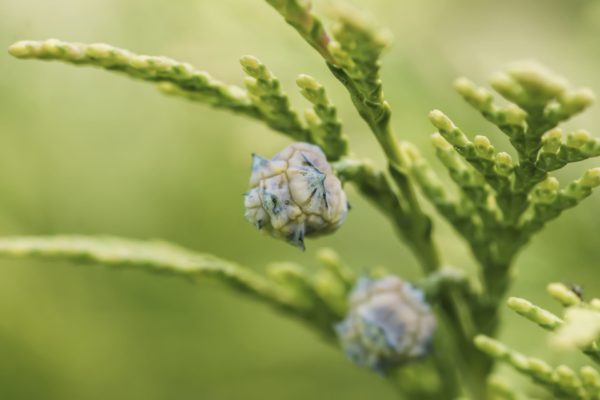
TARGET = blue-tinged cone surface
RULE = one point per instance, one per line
(388, 323)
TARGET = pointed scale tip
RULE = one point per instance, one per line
(258, 162)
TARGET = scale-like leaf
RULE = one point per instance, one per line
(150, 256)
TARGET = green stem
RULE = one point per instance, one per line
(415, 229)
(413, 223)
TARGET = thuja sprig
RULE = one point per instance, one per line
(540, 316)
(459, 214)
(265, 93)
(556, 152)
(475, 191)
(322, 119)
(502, 390)
(263, 100)
(375, 186)
(352, 52)
(356, 49)
(298, 14)
(336, 266)
(322, 293)
(562, 381)
(372, 183)
(511, 200)
(579, 327)
(548, 201)
(319, 300)
(176, 77)
(353, 57)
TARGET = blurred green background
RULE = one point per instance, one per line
(85, 151)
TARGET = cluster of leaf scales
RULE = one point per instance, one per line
(502, 202)
(578, 329)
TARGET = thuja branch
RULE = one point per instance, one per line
(263, 100)
(511, 201)
(176, 78)
(193, 82)
(577, 329)
(352, 52)
(297, 14)
(153, 256)
(318, 303)
(562, 381)
(375, 186)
